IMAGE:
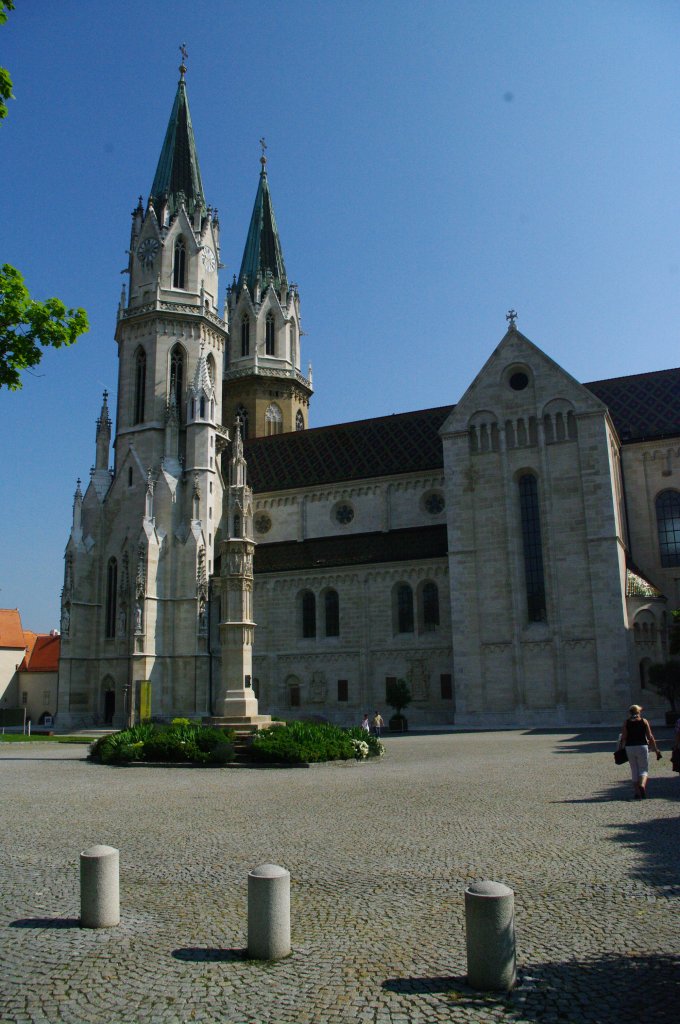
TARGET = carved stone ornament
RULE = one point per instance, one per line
(318, 688)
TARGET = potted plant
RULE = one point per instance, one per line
(398, 696)
(664, 679)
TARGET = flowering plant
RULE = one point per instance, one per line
(360, 749)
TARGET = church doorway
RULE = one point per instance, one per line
(109, 706)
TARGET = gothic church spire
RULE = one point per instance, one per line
(263, 254)
(178, 176)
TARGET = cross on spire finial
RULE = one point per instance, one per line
(511, 316)
(185, 53)
(263, 158)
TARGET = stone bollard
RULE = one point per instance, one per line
(99, 899)
(268, 912)
(490, 929)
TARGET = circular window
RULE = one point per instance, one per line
(344, 514)
(518, 380)
(434, 503)
(263, 523)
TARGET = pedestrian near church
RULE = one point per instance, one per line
(637, 738)
(377, 724)
(364, 723)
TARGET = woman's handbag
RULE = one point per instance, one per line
(675, 759)
(620, 755)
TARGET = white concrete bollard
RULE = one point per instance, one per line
(99, 889)
(268, 912)
(490, 931)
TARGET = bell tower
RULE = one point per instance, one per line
(263, 383)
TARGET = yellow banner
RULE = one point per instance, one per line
(144, 703)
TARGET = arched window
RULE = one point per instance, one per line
(179, 264)
(245, 336)
(332, 613)
(404, 608)
(201, 407)
(293, 345)
(140, 384)
(308, 607)
(299, 420)
(242, 415)
(429, 597)
(177, 376)
(269, 340)
(273, 420)
(111, 598)
(668, 525)
(532, 546)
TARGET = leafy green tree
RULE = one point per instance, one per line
(26, 325)
(664, 679)
(398, 695)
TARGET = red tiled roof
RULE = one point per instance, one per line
(11, 632)
(42, 653)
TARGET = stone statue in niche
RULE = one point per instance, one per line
(138, 618)
(65, 620)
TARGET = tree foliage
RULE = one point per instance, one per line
(398, 695)
(664, 679)
(26, 325)
(5, 79)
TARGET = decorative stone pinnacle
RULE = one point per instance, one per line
(511, 316)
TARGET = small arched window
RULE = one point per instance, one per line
(299, 420)
(245, 336)
(179, 264)
(668, 524)
(332, 612)
(140, 384)
(111, 599)
(404, 609)
(242, 415)
(430, 607)
(273, 420)
(308, 608)
(270, 335)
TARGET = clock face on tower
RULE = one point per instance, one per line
(208, 257)
(147, 252)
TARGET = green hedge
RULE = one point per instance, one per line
(182, 741)
(310, 742)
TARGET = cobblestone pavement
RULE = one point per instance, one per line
(379, 854)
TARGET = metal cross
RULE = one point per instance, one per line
(263, 144)
(185, 53)
(511, 316)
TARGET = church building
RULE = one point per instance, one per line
(514, 557)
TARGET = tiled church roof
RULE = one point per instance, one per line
(644, 405)
(404, 443)
(323, 553)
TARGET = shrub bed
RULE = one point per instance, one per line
(309, 742)
(182, 741)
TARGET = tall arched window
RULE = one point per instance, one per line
(245, 336)
(429, 598)
(140, 384)
(270, 336)
(668, 525)
(532, 547)
(332, 612)
(179, 264)
(299, 420)
(111, 598)
(404, 609)
(308, 607)
(177, 376)
(273, 420)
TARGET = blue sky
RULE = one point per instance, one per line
(431, 165)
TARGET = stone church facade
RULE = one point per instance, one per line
(514, 557)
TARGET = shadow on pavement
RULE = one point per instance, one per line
(209, 955)
(46, 922)
(655, 842)
(604, 991)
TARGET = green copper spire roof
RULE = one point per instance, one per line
(178, 170)
(263, 247)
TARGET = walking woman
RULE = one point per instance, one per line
(637, 738)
